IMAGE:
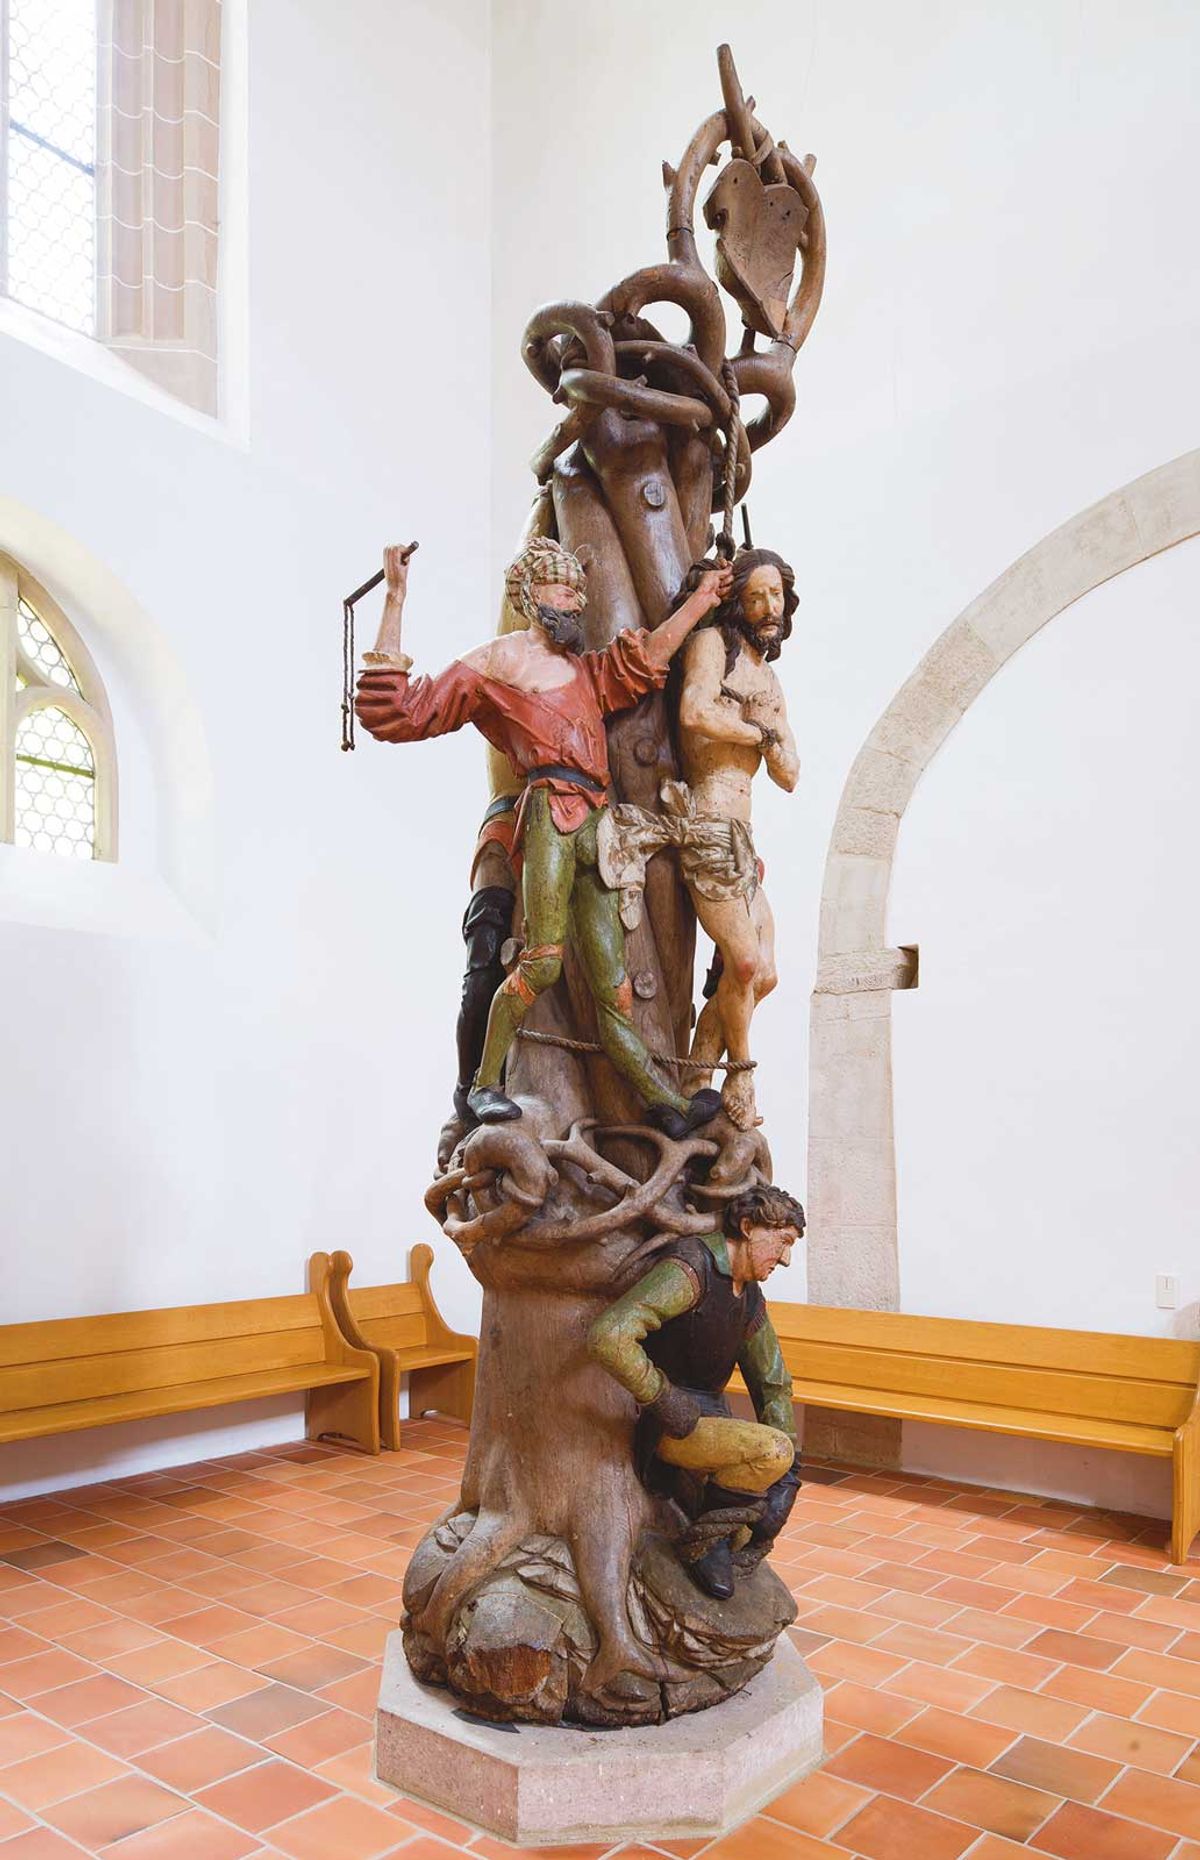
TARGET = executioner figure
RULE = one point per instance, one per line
(732, 719)
(538, 697)
(673, 1341)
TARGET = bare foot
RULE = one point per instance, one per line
(737, 1097)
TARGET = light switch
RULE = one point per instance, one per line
(1166, 1291)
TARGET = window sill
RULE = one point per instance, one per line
(91, 358)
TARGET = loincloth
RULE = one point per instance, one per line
(716, 855)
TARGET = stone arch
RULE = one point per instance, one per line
(853, 1240)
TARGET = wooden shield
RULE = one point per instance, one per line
(759, 231)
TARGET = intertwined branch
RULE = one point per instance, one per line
(503, 1177)
(592, 358)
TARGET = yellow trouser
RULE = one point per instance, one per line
(743, 1456)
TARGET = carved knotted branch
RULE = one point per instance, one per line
(506, 1176)
(583, 387)
(554, 321)
(604, 380)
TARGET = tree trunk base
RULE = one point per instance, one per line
(520, 1646)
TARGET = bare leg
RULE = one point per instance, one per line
(708, 1043)
(731, 925)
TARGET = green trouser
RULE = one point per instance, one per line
(562, 889)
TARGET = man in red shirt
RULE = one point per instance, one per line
(541, 699)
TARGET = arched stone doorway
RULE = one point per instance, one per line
(853, 1245)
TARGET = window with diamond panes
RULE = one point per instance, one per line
(55, 808)
(59, 773)
(48, 245)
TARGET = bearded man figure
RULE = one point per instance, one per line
(541, 700)
(732, 719)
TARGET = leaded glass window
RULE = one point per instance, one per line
(58, 773)
(48, 61)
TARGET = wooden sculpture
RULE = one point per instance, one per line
(586, 1158)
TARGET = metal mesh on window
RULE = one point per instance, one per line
(42, 649)
(55, 786)
(50, 233)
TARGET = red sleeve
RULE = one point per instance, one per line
(399, 709)
(623, 672)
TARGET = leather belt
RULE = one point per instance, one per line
(554, 771)
(503, 804)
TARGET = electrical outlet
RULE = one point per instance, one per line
(1166, 1291)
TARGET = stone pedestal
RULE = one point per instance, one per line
(540, 1785)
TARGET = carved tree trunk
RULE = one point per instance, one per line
(550, 1590)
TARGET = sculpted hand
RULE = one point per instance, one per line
(395, 566)
(676, 1411)
(714, 587)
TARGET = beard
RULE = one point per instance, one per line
(766, 639)
(563, 630)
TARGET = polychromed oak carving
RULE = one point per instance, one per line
(619, 1216)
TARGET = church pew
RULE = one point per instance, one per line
(1087, 1388)
(58, 1375)
(402, 1326)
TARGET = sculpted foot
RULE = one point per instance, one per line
(738, 1100)
(491, 1106)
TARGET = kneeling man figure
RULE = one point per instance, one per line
(673, 1340)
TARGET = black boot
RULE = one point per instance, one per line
(725, 1513)
(488, 921)
(491, 1106)
(676, 1124)
(777, 1508)
(713, 1572)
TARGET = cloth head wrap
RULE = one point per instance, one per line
(543, 560)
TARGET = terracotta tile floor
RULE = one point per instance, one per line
(189, 1662)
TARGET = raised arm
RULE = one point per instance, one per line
(666, 639)
(702, 709)
(387, 651)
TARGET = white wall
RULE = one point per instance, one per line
(1008, 333)
(1045, 1067)
(194, 1100)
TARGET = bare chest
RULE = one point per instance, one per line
(753, 686)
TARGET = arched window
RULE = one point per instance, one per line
(58, 769)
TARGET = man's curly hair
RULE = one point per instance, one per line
(765, 1206)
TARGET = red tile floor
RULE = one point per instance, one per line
(189, 1663)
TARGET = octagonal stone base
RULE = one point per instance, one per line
(541, 1785)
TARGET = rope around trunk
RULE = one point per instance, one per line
(662, 1059)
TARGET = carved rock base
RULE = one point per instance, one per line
(519, 1646)
(542, 1785)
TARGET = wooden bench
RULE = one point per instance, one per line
(1090, 1389)
(402, 1326)
(67, 1373)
